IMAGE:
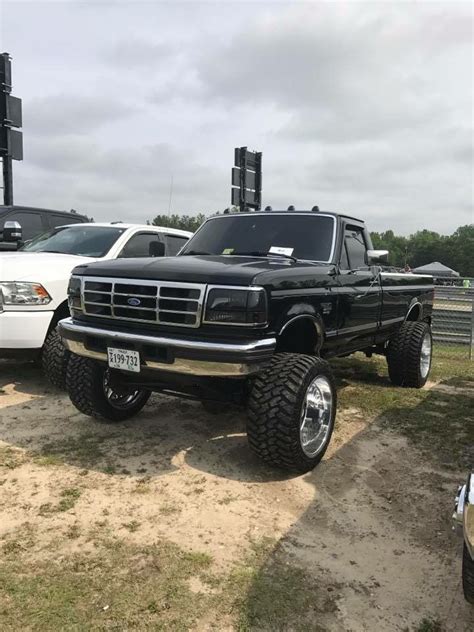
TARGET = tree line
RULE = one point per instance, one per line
(455, 251)
(425, 246)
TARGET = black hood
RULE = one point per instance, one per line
(217, 270)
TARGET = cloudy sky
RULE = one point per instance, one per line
(358, 107)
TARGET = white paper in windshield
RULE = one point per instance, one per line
(279, 250)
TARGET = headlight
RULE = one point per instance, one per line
(74, 295)
(22, 293)
(236, 306)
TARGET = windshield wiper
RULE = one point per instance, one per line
(257, 253)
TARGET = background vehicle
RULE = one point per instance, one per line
(247, 313)
(33, 282)
(33, 222)
(464, 521)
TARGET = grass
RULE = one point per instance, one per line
(11, 458)
(121, 586)
(118, 587)
(84, 450)
(429, 625)
(168, 509)
(268, 594)
(132, 526)
(437, 420)
(69, 497)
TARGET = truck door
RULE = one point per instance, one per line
(359, 292)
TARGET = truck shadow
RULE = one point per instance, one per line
(167, 433)
(23, 377)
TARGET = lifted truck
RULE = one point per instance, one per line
(247, 313)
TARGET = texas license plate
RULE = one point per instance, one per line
(124, 359)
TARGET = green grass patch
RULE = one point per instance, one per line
(118, 587)
(83, 450)
(69, 497)
(429, 625)
(11, 458)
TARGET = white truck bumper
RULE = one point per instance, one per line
(23, 331)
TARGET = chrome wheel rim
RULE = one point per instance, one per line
(316, 415)
(425, 355)
(119, 398)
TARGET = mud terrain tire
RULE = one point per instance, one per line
(467, 575)
(409, 355)
(86, 383)
(54, 359)
(280, 418)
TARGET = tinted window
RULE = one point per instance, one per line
(87, 241)
(355, 245)
(306, 236)
(31, 223)
(174, 244)
(55, 219)
(139, 245)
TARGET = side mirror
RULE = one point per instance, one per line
(375, 257)
(156, 249)
(12, 231)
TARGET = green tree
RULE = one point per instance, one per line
(183, 222)
(425, 246)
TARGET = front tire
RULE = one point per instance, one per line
(467, 575)
(291, 412)
(54, 359)
(409, 354)
(89, 387)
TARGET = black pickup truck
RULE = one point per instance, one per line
(247, 313)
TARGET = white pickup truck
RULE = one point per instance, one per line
(34, 280)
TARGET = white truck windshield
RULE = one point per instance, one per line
(86, 241)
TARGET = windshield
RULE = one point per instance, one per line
(302, 236)
(86, 241)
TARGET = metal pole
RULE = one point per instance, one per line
(471, 346)
(243, 174)
(7, 181)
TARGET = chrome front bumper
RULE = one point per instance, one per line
(463, 516)
(182, 355)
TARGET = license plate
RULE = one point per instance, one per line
(124, 359)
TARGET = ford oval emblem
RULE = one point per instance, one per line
(134, 302)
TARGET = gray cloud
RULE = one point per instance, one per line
(360, 107)
(72, 113)
(137, 54)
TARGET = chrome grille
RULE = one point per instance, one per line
(158, 302)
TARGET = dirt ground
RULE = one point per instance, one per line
(362, 543)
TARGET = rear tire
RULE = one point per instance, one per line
(87, 383)
(467, 575)
(409, 354)
(291, 412)
(54, 359)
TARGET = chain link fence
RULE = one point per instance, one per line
(453, 317)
